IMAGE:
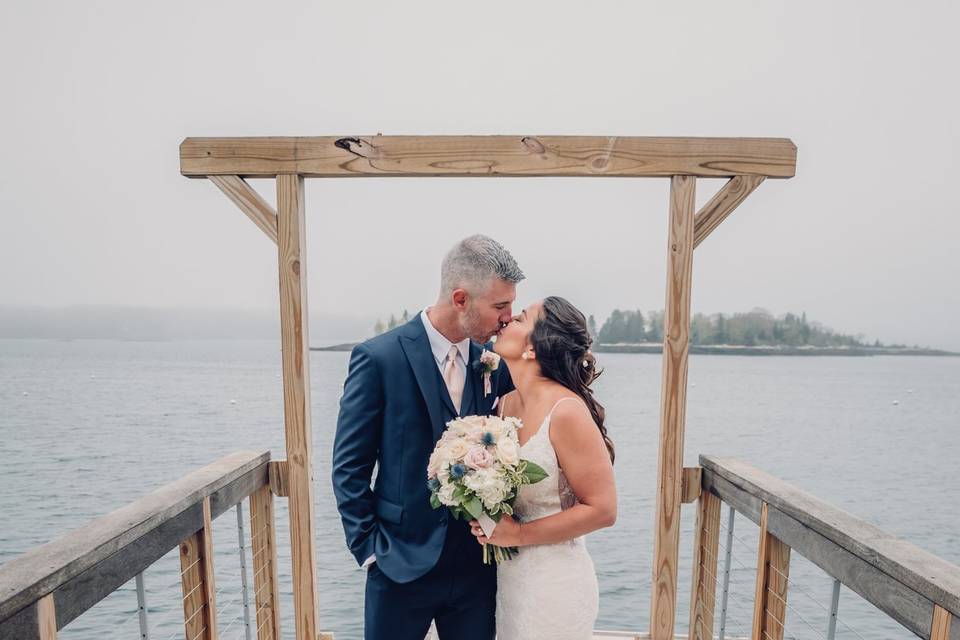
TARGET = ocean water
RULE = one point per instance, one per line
(88, 426)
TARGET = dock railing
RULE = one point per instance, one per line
(917, 589)
(48, 587)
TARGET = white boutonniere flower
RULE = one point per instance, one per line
(490, 361)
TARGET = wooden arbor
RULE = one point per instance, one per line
(227, 161)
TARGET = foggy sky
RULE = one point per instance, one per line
(98, 96)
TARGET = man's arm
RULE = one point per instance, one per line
(355, 450)
(504, 381)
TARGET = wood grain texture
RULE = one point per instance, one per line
(770, 596)
(250, 202)
(209, 576)
(940, 628)
(722, 205)
(46, 618)
(690, 484)
(196, 610)
(480, 156)
(928, 575)
(704, 583)
(52, 566)
(673, 403)
(278, 478)
(295, 346)
(263, 547)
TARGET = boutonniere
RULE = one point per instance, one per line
(489, 362)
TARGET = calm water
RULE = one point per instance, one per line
(88, 426)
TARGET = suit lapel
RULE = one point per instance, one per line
(472, 384)
(416, 347)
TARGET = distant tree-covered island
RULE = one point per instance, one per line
(755, 332)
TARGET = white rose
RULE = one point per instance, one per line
(456, 450)
(508, 451)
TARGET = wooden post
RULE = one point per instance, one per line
(940, 629)
(296, 399)
(196, 578)
(46, 618)
(770, 597)
(263, 546)
(673, 403)
(703, 594)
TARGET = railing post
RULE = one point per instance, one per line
(834, 606)
(773, 567)
(727, 556)
(295, 352)
(243, 572)
(673, 406)
(703, 594)
(940, 627)
(46, 618)
(196, 578)
(142, 607)
(263, 547)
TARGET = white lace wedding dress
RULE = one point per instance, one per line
(547, 591)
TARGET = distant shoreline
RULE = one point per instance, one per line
(736, 350)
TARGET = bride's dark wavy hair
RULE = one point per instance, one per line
(561, 340)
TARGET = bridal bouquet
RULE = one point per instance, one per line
(476, 470)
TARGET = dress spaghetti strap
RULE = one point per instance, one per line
(552, 409)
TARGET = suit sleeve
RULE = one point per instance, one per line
(504, 381)
(356, 447)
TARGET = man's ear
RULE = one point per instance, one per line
(459, 299)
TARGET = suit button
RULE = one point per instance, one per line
(443, 519)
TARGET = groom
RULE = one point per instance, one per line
(402, 388)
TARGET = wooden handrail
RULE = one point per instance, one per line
(82, 567)
(899, 578)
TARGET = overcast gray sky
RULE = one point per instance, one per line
(98, 96)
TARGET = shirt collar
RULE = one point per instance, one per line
(440, 345)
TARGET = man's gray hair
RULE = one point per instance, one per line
(473, 263)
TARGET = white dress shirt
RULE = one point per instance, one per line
(440, 347)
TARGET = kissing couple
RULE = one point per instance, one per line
(402, 388)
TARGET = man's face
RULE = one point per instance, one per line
(486, 314)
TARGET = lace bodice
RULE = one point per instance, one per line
(553, 493)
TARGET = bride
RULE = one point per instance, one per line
(549, 589)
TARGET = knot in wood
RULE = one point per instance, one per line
(295, 267)
(533, 145)
(600, 163)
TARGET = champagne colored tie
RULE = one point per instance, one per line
(453, 377)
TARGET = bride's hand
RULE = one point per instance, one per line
(506, 533)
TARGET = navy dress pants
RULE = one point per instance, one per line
(459, 593)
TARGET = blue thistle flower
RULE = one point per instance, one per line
(458, 470)
(433, 484)
(488, 439)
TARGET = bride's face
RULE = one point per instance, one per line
(515, 337)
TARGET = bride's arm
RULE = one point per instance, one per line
(586, 463)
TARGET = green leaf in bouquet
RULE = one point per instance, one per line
(506, 508)
(533, 473)
(435, 501)
(474, 507)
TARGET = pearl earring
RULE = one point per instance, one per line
(525, 355)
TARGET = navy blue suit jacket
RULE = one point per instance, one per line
(394, 408)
